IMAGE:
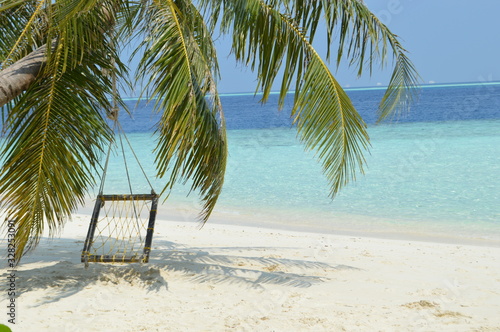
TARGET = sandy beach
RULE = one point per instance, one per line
(232, 278)
(343, 154)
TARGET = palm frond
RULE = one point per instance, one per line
(329, 124)
(20, 35)
(56, 130)
(28, 21)
(364, 40)
(181, 61)
(361, 39)
(326, 120)
(7, 5)
(53, 136)
(13, 19)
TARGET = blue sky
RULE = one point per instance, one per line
(447, 40)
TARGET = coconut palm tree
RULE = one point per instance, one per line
(58, 58)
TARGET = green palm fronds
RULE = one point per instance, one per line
(269, 36)
(54, 132)
(51, 146)
(181, 61)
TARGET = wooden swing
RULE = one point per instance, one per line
(121, 227)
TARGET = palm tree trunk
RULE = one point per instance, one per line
(19, 76)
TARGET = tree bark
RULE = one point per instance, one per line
(19, 76)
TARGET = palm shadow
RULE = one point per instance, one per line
(65, 279)
(199, 265)
(67, 276)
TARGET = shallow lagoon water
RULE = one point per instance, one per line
(433, 171)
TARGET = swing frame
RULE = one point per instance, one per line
(87, 257)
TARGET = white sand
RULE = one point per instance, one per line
(227, 278)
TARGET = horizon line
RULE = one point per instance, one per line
(365, 88)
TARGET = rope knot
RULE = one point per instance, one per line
(113, 114)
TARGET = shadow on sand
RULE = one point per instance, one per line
(168, 260)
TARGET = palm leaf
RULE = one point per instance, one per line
(56, 130)
(326, 120)
(19, 35)
(365, 40)
(12, 22)
(180, 59)
(25, 25)
(269, 35)
(49, 153)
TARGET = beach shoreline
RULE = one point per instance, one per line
(239, 278)
(448, 232)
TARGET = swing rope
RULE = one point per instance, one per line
(119, 220)
(118, 130)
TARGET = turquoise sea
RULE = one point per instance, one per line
(432, 173)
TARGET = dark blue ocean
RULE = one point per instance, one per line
(432, 172)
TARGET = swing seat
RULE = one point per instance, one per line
(121, 229)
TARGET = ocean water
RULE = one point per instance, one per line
(432, 172)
